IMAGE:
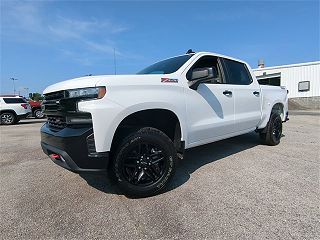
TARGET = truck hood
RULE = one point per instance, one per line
(108, 80)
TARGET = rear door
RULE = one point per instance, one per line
(246, 93)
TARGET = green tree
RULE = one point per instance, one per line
(37, 97)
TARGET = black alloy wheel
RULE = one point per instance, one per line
(144, 163)
(277, 129)
(272, 133)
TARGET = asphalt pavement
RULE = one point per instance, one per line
(231, 189)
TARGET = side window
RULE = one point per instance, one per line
(237, 73)
(207, 62)
(13, 100)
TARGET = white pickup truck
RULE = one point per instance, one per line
(137, 126)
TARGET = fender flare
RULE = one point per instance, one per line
(142, 107)
(268, 111)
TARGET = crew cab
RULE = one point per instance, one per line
(137, 126)
(13, 109)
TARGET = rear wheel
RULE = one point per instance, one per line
(273, 131)
(145, 162)
(38, 113)
(8, 118)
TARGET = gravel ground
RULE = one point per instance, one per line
(232, 189)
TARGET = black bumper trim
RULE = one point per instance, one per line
(66, 161)
(72, 147)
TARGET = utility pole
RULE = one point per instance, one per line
(27, 92)
(114, 59)
(14, 87)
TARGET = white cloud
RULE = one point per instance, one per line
(74, 28)
(31, 21)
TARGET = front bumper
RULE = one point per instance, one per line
(71, 148)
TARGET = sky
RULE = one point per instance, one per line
(44, 42)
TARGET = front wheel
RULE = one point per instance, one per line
(145, 162)
(273, 131)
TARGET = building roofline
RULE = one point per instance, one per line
(287, 66)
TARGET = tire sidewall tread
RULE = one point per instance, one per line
(267, 137)
(154, 136)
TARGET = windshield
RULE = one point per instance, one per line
(166, 66)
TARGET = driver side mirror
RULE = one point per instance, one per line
(201, 75)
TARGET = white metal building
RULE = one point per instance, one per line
(302, 80)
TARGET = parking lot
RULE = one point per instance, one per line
(232, 189)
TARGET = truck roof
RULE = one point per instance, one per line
(211, 53)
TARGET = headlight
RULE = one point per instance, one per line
(92, 92)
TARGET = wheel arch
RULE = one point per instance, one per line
(164, 119)
(277, 107)
(8, 110)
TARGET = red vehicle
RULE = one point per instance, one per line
(36, 109)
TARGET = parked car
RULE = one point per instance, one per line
(137, 126)
(13, 109)
(36, 109)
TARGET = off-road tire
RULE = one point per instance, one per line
(272, 133)
(144, 137)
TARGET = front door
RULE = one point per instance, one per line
(209, 108)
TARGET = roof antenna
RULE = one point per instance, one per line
(190, 51)
(114, 60)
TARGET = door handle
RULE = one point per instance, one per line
(256, 93)
(227, 93)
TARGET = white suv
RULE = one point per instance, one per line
(13, 109)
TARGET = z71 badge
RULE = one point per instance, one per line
(169, 80)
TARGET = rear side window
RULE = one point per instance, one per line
(238, 73)
(14, 100)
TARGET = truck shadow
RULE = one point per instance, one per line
(197, 157)
(194, 159)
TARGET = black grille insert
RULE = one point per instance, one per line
(55, 95)
(59, 102)
(57, 122)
